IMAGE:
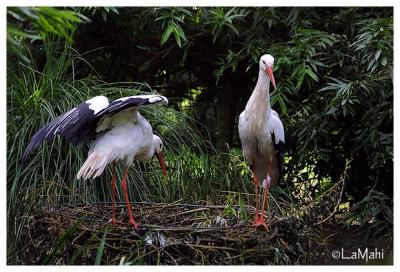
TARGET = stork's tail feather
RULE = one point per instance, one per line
(93, 166)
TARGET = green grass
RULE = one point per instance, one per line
(100, 249)
(51, 257)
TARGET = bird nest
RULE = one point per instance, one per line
(178, 233)
(168, 234)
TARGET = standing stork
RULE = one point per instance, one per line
(119, 134)
(262, 136)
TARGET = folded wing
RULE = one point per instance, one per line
(278, 140)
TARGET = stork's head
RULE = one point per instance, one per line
(266, 64)
(158, 145)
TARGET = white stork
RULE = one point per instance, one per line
(262, 136)
(119, 134)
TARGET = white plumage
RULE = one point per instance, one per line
(118, 131)
(97, 103)
(262, 135)
(131, 137)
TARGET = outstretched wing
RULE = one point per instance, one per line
(278, 140)
(75, 125)
(132, 101)
(84, 122)
(111, 116)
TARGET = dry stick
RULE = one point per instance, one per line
(194, 219)
(183, 229)
(309, 206)
(166, 252)
(240, 193)
(273, 198)
(77, 237)
(165, 205)
(194, 249)
(150, 252)
(192, 211)
(211, 247)
(343, 179)
(156, 205)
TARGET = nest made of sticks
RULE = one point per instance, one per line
(178, 233)
(172, 233)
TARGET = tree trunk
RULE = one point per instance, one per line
(226, 109)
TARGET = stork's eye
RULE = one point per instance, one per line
(263, 62)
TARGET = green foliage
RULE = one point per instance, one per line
(29, 24)
(100, 249)
(334, 74)
(51, 257)
(373, 216)
(222, 22)
(229, 210)
(374, 42)
(104, 11)
(334, 84)
(368, 208)
(242, 209)
(171, 20)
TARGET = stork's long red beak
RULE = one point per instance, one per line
(271, 75)
(160, 158)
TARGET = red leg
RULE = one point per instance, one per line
(113, 220)
(128, 204)
(255, 179)
(265, 200)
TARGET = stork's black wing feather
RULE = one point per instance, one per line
(279, 151)
(77, 125)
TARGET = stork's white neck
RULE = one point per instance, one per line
(259, 103)
(263, 81)
(146, 154)
(150, 153)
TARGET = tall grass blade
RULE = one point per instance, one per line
(100, 249)
(50, 258)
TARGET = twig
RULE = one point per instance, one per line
(192, 211)
(343, 179)
(211, 247)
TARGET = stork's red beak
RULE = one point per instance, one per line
(160, 158)
(271, 75)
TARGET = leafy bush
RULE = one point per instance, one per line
(334, 72)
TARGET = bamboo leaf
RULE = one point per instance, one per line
(167, 33)
(282, 105)
(177, 38)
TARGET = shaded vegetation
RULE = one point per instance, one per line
(334, 73)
